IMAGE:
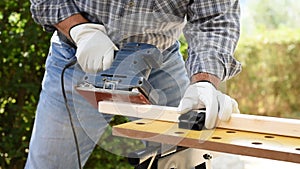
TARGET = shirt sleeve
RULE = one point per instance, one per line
(212, 33)
(50, 12)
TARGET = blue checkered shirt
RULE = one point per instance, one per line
(211, 27)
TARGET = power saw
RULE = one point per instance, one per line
(127, 78)
(126, 81)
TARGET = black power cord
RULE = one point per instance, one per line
(69, 111)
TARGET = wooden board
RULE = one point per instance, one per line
(252, 123)
(220, 140)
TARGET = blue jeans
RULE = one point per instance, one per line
(52, 143)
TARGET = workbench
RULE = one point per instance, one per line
(247, 135)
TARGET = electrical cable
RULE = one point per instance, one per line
(69, 111)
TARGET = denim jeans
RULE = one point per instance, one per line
(52, 143)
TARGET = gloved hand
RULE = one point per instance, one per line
(204, 95)
(95, 50)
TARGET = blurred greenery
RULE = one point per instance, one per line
(258, 15)
(23, 47)
(268, 85)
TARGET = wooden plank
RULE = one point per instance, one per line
(145, 111)
(219, 140)
(263, 124)
(252, 123)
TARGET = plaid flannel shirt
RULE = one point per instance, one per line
(211, 27)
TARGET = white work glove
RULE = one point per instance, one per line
(204, 95)
(95, 50)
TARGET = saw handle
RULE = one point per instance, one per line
(192, 120)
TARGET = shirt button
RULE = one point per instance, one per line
(131, 3)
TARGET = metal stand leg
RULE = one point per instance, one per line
(201, 166)
(182, 158)
(188, 158)
(146, 164)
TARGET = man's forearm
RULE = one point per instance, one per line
(65, 26)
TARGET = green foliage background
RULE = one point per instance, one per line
(23, 47)
(268, 85)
